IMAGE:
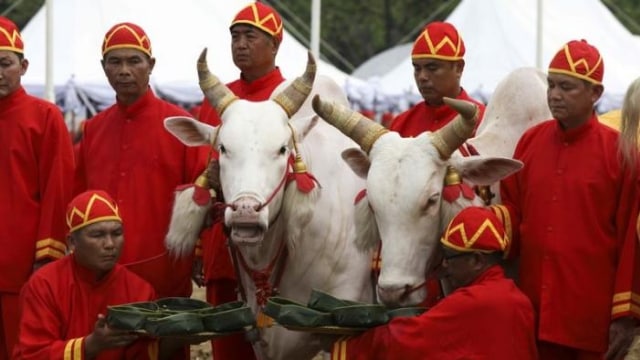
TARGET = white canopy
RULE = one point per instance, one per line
(500, 36)
(178, 31)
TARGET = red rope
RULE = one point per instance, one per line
(261, 278)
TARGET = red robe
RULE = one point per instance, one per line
(60, 305)
(488, 319)
(572, 210)
(127, 152)
(218, 269)
(422, 117)
(36, 159)
(36, 181)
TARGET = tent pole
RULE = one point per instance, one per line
(315, 28)
(49, 92)
(539, 35)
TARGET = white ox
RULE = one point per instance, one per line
(255, 141)
(404, 209)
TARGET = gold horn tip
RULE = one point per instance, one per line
(203, 55)
(310, 58)
(465, 108)
(316, 103)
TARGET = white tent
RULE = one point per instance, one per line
(500, 36)
(178, 30)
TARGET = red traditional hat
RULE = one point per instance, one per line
(579, 59)
(126, 36)
(475, 229)
(261, 16)
(438, 40)
(90, 207)
(10, 38)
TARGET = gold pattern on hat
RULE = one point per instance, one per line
(582, 61)
(446, 41)
(86, 213)
(470, 239)
(262, 24)
(12, 38)
(138, 38)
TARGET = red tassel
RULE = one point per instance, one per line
(201, 196)
(217, 212)
(451, 193)
(305, 181)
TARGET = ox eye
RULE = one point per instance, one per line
(431, 201)
(283, 150)
(222, 149)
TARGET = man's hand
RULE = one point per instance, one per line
(197, 274)
(621, 333)
(103, 337)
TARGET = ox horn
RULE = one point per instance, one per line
(454, 134)
(217, 93)
(362, 130)
(292, 98)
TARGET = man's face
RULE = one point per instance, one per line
(97, 246)
(571, 99)
(459, 267)
(128, 73)
(11, 70)
(253, 50)
(437, 78)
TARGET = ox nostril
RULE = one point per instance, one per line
(258, 207)
(233, 207)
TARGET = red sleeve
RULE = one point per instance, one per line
(41, 326)
(409, 338)
(509, 211)
(626, 295)
(56, 183)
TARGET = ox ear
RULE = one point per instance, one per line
(190, 131)
(482, 170)
(358, 161)
(304, 125)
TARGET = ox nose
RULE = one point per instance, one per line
(246, 206)
(392, 295)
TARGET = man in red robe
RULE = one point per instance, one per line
(36, 182)
(438, 63)
(572, 210)
(485, 317)
(256, 34)
(126, 151)
(63, 306)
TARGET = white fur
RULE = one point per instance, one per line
(186, 222)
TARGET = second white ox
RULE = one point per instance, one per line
(266, 214)
(404, 208)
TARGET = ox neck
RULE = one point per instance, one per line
(266, 279)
